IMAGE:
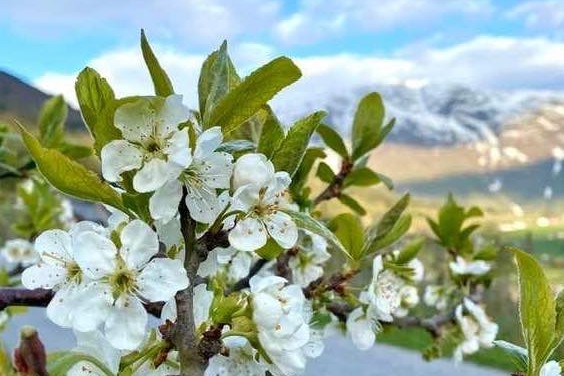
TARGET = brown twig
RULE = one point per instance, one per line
(334, 188)
(12, 296)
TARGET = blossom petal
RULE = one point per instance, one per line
(216, 170)
(126, 324)
(207, 142)
(171, 114)
(93, 306)
(202, 303)
(61, 307)
(119, 156)
(161, 279)
(94, 343)
(54, 247)
(43, 276)
(95, 254)
(361, 330)
(135, 120)
(282, 229)
(248, 235)
(178, 149)
(153, 175)
(163, 204)
(204, 204)
(138, 243)
(253, 169)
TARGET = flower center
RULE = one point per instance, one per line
(123, 281)
(74, 273)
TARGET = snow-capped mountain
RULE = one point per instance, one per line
(431, 114)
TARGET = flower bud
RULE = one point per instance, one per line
(30, 358)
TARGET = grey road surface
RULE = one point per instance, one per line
(340, 356)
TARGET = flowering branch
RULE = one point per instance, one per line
(11, 296)
(243, 283)
(334, 188)
(185, 339)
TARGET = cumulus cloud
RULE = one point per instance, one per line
(322, 19)
(484, 62)
(544, 15)
(188, 21)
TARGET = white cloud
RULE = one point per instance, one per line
(323, 19)
(183, 21)
(484, 62)
(544, 15)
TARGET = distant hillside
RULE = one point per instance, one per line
(22, 101)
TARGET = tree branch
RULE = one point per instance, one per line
(12, 296)
(335, 187)
(185, 338)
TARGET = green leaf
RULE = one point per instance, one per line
(348, 229)
(367, 124)
(333, 140)
(271, 135)
(270, 250)
(75, 151)
(390, 228)
(161, 82)
(252, 94)
(52, 119)
(410, 251)
(361, 177)
(291, 151)
(306, 222)
(560, 317)
(217, 77)
(517, 354)
(95, 98)
(537, 310)
(352, 204)
(236, 146)
(69, 176)
(301, 176)
(325, 173)
(61, 363)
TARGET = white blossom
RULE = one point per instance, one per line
(362, 325)
(241, 360)
(260, 193)
(152, 144)
(478, 330)
(235, 264)
(203, 299)
(463, 267)
(121, 280)
(551, 368)
(19, 251)
(58, 270)
(209, 172)
(307, 265)
(436, 296)
(383, 293)
(281, 316)
(66, 217)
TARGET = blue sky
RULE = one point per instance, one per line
(504, 44)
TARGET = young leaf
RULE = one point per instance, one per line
(517, 353)
(390, 228)
(325, 173)
(348, 229)
(537, 310)
(367, 124)
(301, 176)
(352, 204)
(95, 97)
(333, 140)
(410, 251)
(69, 176)
(161, 82)
(306, 222)
(362, 177)
(236, 146)
(289, 154)
(252, 94)
(52, 119)
(271, 135)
